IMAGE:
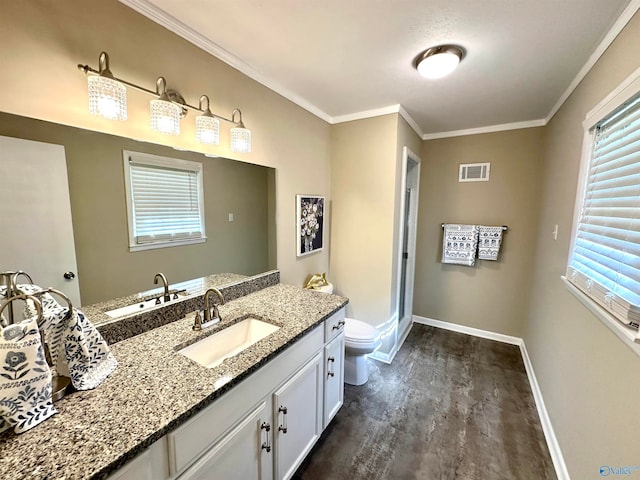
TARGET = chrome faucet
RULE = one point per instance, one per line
(207, 309)
(167, 297)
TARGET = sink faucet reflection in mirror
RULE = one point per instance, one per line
(209, 317)
(165, 284)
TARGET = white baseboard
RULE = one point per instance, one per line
(476, 332)
(547, 427)
(549, 434)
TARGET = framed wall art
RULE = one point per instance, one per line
(310, 224)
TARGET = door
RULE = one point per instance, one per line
(37, 233)
(297, 417)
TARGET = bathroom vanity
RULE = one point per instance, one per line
(162, 415)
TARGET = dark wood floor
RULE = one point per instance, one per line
(450, 406)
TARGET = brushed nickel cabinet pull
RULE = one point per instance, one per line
(338, 325)
(330, 360)
(283, 427)
(266, 445)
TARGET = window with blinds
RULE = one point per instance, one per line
(164, 201)
(605, 258)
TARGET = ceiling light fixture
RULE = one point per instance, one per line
(438, 62)
(108, 99)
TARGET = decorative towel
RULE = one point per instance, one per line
(77, 348)
(459, 244)
(25, 378)
(489, 243)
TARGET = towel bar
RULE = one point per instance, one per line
(504, 227)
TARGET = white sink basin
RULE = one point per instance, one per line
(139, 307)
(214, 349)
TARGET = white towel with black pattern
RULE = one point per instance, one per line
(77, 348)
(459, 244)
(490, 239)
(25, 378)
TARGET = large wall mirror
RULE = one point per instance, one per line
(239, 214)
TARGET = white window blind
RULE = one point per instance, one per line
(165, 200)
(605, 259)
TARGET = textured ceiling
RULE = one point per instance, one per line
(342, 57)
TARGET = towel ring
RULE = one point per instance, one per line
(15, 276)
(24, 297)
(57, 292)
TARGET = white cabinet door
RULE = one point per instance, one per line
(151, 464)
(333, 377)
(297, 415)
(244, 453)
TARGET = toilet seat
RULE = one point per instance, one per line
(359, 335)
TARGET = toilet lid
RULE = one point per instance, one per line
(359, 331)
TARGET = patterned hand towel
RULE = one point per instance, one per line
(489, 243)
(25, 378)
(77, 348)
(459, 244)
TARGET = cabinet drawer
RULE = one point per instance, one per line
(334, 325)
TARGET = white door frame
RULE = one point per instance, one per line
(409, 160)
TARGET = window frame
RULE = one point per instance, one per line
(628, 89)
(168, 163)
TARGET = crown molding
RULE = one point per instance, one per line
(376, 112)
(167, 21)
(412, 123)
(488, 129)
(608, 39)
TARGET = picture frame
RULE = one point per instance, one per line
(310, 216)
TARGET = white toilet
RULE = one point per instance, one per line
(360, 340)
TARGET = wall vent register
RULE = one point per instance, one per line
(474, 172)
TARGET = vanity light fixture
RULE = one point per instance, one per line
(207, 126)
(165, 114)
(240, 136)
(438, 62)
(108, 99)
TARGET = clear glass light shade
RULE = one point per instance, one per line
(165, 117)
(438, 65)
(107, 98)
(240, 140)
(207, 130)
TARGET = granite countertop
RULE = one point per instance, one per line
(155, 389)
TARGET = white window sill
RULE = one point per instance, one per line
(624, 333)
(176, 243)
